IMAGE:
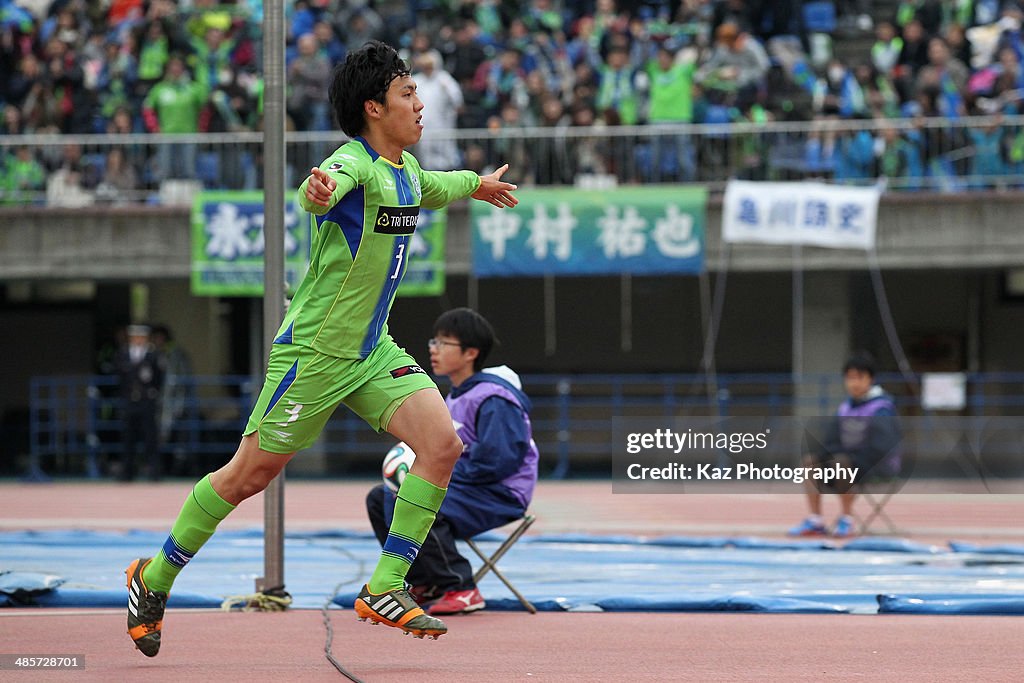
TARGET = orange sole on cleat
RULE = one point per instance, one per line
(364, 613)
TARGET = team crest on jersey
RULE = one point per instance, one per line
(415, 179)
(396, 220)
(407, 370)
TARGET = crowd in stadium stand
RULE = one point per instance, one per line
(187, 66)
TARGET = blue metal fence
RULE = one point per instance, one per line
(75, 424)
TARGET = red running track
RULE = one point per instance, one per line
(209, 645)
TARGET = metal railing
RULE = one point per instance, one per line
(75, 423)
(911, 154)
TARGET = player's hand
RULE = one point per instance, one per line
(320, 187)
(494, 191)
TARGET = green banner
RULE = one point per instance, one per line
(227, 244)
(424, 276)
(227, 247)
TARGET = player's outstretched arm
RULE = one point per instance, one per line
(495, 191)
(316, 191)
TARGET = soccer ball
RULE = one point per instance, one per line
(396, 465)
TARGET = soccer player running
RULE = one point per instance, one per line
(333, 346)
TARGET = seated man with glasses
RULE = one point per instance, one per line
(492, 483)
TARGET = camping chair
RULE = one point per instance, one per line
(878, 488)
(490, 563)
(877, 492)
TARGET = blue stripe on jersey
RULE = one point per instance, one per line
(286, 336)
(401, 245)
(348, 214)
(402, 186)
(369, 150)
(387, 293)
(175, 554)
(289, 377)
(403, 548)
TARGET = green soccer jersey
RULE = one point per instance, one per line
(360, 247)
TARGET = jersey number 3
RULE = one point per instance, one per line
(398, 266)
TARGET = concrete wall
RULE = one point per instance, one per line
(93, 243)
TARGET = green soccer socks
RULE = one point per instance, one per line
(202, 512)
(417, 505)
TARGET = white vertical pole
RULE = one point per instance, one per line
(798, 317)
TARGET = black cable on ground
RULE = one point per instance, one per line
(888, 323)
(328, 627)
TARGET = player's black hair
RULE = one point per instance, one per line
(861, 361)
(365, 75)
(471, 329)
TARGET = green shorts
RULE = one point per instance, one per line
(303, 388)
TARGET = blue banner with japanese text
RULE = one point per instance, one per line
(650, 230)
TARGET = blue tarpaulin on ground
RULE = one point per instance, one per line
(565, 572)
(898, 604)
(1003, 549)
(892, 545)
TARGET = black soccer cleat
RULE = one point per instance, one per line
(145, 610)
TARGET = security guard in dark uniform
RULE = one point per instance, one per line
(141, 371)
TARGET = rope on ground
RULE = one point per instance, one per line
(325, 611)
(271, 600)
